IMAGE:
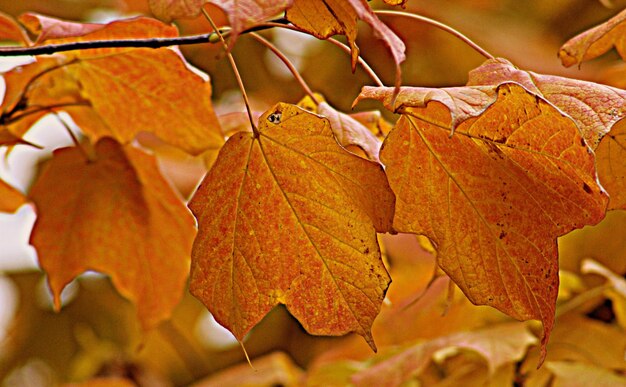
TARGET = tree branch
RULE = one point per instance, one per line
(147, 43)
(121, 43)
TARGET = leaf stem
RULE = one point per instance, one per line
(38, 109)
(366, 67)
(441, 26)
(246, 101)
(287, 63)
(89, 152)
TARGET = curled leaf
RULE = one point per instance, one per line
(596, 41)
(498, 345)
(325, 18)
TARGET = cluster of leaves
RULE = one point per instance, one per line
(291, 212)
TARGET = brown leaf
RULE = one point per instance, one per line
(463, 102)
(10, 198)
(498, 345)
(48, 28)
(494, 197)
(596, 41)
(10, 30)
(290, 217)
(116, 215)
(325, 18)
(55, 31)
(596, 109)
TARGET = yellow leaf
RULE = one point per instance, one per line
(290, 217)
(270, 370)
(116, 215)
(498, 345)
(570, 374)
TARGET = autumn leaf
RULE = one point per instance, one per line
(348, 131)
(116, 215)
(173, 103)
(51, 30)
(290, 217)
(617, 290)
(10, 198)
(596, 41)
(48, 28)
(274, 369)
(10, 30)
(493, 197)
(167, 10)
(498, 345)
(325, 18)
(571, 374)
(611, 161)
(242, 14)
(463, 102)
(596, 108)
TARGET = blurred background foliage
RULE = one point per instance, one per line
(96, 334)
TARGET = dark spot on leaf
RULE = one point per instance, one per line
(587, 188)
(275, 117)
(502, 234)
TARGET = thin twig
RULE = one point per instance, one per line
(289, 65)
(366, 67)
(441, 26)
(235, 70)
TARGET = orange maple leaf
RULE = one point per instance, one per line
(494, 197)
(116, 97)
(596, 108)
(290, 217)
(116, 215)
